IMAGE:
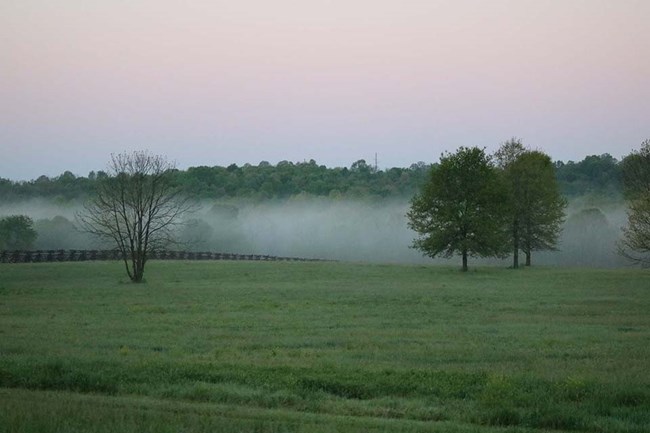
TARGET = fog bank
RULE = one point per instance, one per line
(365, 231)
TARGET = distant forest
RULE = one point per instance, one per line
(598, 175)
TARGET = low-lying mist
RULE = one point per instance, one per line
(319, 228)
(367, 231)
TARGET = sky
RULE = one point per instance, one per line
(217, 82)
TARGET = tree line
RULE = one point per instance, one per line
(593, 175)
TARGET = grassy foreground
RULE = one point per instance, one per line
(322, 347)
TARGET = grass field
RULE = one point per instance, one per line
(322, 347)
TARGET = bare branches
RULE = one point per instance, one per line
(635, 245)
(136, 207)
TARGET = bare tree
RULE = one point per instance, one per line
(635, 245)
(136, 206)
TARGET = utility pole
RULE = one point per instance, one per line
(375, 162)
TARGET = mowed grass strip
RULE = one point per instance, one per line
(561, 349)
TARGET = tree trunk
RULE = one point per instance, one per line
(515, 241)
(138, 271)
(465, 261)
(515, 257)
(137, 276)
(527, 258)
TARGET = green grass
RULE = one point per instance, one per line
(322, 347)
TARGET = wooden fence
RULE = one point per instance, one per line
(91, 255)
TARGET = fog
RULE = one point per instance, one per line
(312, 227)
(364, 231)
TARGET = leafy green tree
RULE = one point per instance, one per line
(17, 233)
(535, 205)
(459, 211)
(541, 220)
(635, 245)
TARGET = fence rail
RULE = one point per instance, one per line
(94, 255)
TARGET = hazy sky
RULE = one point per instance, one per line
(214, 82)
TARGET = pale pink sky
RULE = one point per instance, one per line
(216, 82)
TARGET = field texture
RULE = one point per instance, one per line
(322, 347)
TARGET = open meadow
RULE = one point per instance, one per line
(322, 347)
